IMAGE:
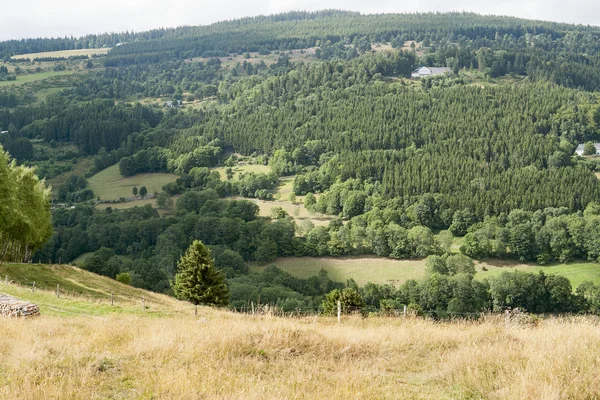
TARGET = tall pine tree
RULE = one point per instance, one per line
(197, 279)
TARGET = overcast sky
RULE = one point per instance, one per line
(35, 18)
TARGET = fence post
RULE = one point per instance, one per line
(405, 310)
(144, 303)
(58, 290)
(6, 280)
(33, 287)
(252, 309)
(112, 298)
(339, 311)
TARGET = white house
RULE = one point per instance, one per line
(430, 71)
(579, 150)
(3, 132)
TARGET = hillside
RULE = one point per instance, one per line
(81, 292)
(81, 347)
(303, 140)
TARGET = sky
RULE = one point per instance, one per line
(51, 18)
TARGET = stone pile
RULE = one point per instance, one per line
(11, 307)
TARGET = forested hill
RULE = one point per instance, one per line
(324, 105)
(298, 29)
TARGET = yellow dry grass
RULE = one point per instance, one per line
(63, 53)
(231, 356)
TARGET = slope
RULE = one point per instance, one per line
(81, 292)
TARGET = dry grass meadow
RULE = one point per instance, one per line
(223, 355)
(63, 53)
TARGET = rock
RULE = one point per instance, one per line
(11, 307)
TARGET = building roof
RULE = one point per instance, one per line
(580, 147)
(439, 70)
(431, 71)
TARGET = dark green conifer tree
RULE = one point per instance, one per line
(197, 280)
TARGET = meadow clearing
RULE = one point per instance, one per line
(27, 78)
(108, 184)
(385, 270)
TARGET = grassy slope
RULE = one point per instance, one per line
(109, 184)
(382, 270)
(82, 293)
(81, 348)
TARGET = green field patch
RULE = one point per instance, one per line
(576, 272)
(27, 78)
(108, 184)
(361, 269)
(383, 270)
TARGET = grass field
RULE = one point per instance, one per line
(82, 347)
(21, 79)
(383, 270)
(361, 269)
(109, 184)
(222, 355)
(63, 53)
(576, 272)
(81, 292)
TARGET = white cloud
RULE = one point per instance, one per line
(34, 18)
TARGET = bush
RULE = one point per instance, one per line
(124, 277)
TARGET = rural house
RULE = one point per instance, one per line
(172, 104)
(430, 71)
(579, 150)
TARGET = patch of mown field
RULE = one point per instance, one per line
(576, 272)
(383, 270)
(63, 53)
(108, 184)
(361, 269)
